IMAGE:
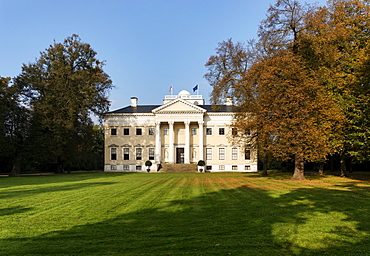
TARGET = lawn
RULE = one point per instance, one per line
(184, 214)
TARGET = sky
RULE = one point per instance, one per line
(147, 45)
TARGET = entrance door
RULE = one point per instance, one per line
(180, 155)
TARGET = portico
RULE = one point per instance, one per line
(187, 138)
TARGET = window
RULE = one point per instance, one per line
(234, 167)
(113, 154)
(126, 167)
(247, 167)
(234, 154)
(209, 167)
(208, 153)
(139, 153)
(247, 154)
(113, 167)
(221, 167)
(193, 131)
(113, 131)
(234, 131)
(126, 131)
(221, 131)
(151, 131)
(138, 167)
(165, 131)
(139, 131)
(151, 153)
(126, 154)
(208, 131)
(221, 153)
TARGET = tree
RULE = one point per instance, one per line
(278, 96)
(64, 88)
(14, 127)
(335, 44)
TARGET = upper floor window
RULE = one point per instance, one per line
(234, 131)
(151, 131)
(221, 131)
(193, 131)
(113, 131)
(139, 131)
(165, 131)
(208, 131)
(126, 131)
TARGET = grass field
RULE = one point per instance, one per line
(184, 214)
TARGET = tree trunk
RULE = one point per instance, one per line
(321, 168)
(298, 168)
(264, 165)
(16, 169)
(343, 171)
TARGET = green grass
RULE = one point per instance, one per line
(184, 214)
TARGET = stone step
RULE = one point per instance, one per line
(179, 168)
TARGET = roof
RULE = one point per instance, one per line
(149, 108)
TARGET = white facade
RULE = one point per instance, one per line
(181, 131)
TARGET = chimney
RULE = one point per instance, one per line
(229, 101)
(134, 102)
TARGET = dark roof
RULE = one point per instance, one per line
(149, 108)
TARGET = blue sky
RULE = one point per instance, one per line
(148, 45)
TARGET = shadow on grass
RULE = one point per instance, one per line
(49, 189)
(7, 182)
(13, 210)
(241, 221)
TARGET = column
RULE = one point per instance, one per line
(171, 149)
(158, 146)
(187, 143)
(200, 143)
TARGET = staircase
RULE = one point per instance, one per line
(179, 168)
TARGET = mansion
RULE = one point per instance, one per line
(183, 130)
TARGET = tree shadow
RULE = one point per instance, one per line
(14, 210)
(8, 182)
(240, 221)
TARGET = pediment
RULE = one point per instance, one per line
(178, 105)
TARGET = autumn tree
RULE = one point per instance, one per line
(64, 87)
(335, 45)
(279, 96)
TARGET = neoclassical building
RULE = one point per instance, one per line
(182, 130)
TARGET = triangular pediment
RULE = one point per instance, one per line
(178, 105)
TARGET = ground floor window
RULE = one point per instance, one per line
(234, 167)
(208, 153)
(138, 167)
(113, 167)
(151, 153)
(126, 153)
(113, 154)
(126, 167)
(247, 167)
(139, 153)
(247, 154)
(221, 153)
(221, 167)
(234, 154)
(209, 167)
